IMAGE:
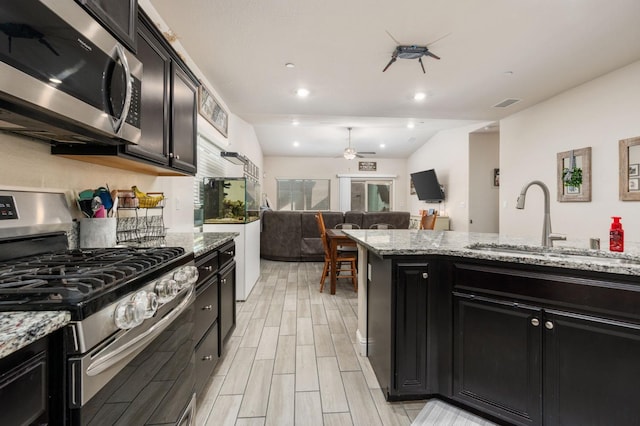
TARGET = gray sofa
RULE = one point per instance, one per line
(293, 235)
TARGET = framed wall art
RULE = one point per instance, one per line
(210, 109)
(574, 175)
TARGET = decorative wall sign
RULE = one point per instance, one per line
(367, 166)
(211, 110)
(574, 175)
(496, 177)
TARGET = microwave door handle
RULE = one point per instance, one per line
(118, 122)
(112, 357)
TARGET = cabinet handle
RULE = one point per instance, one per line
(425, 275)
(207, 357)
(208, 268)
(535, 322)
(207, 307)
(224, 281)
(548, 325)
(172, 155)
(228, 253)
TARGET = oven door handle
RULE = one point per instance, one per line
(109, 359)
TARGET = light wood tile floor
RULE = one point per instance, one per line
(293, 360)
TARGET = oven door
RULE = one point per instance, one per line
(146, 378)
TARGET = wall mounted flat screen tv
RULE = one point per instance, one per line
(427, 186)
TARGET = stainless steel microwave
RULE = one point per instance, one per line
(63, 77)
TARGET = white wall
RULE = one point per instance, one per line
(448, 153)
(484, 155)
(595, 114)
(27, 163)
(329, 168)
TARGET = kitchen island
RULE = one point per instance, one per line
(521, 334)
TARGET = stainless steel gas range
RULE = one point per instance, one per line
(127, 357)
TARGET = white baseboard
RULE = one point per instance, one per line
(362, 342)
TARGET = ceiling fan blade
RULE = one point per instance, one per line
(392, 37)
(438, 39)
(367, 152)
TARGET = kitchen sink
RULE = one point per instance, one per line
(559, 254)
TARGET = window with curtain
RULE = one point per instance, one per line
(303, 194)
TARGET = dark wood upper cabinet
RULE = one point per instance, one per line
(184, 95)
(154, 142)
(117, 16)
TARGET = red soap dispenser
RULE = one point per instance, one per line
(616, 235)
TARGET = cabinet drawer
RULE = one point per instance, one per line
(588, 294)
(206, 307)
(206, 358)
(207, 266)
(226, 254)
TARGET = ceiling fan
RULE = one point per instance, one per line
(350, 153)
(411, 52)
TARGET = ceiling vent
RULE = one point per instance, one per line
(506, 103)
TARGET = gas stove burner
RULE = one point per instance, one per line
(73, 277)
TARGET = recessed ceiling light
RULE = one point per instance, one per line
(303, 93)
(295, 123)
(296, 143)
(55, 80)
(411, 125)
(290, 65)
(419, 96)
(382, 145)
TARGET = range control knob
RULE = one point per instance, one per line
(131, 313)
(166, 289)
(186, 276)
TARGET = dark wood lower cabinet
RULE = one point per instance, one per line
(591, 371)
(397, 326)
(497, 362)
(227, 311)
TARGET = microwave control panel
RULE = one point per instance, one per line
(7, 208)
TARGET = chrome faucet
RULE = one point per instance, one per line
(547, 237)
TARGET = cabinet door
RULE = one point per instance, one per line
(592, 370)
(154, 141)
(183, 121)
(227, 312)
(118, 16)
(411, 328)
(497, 358)
(379, 314)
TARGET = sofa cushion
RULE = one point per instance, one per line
(354, 217)
(281, 235)
(399, 220)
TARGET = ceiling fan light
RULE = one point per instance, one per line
(350, 153)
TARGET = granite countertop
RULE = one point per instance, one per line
(571, 255)
(19, 329)
(199, 242)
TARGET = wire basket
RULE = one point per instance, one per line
(152, 200)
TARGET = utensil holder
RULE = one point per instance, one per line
(98, 233)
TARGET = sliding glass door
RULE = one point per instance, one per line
(371, 196)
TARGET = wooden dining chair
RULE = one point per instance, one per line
(427, 221)
(350, 248)
(341, 259)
